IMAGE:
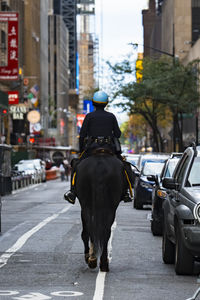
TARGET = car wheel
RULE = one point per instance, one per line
(168, 249)
(156, 228)
(184, 261)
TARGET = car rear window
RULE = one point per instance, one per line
(152, 168)
(194, 175)
(171, 166)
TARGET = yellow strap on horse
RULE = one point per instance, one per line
(80, 155)
(129, 183)
(73, 179)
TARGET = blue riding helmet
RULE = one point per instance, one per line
(100, 98)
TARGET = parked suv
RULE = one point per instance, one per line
(159, 193)
(181, 213)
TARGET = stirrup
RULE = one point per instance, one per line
(70, 197)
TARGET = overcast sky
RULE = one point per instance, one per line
(118, 22)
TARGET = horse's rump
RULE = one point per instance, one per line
(99, 185)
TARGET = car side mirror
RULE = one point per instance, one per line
(170, 183)
(137, 173)
(151, 178)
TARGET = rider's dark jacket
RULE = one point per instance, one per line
(99, 123)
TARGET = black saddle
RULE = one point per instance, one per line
(102, 150)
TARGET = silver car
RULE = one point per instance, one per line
(39, 165)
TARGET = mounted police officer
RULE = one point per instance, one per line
(100, 128)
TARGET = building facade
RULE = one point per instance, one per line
(58, 79)
(175, 33)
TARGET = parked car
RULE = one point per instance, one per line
(143, 185)
(27, 169)
(132, 158)
(181, 213)
(150, 157)
(159, 193)
(39, 165)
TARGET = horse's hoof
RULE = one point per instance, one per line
(92, 262)
(87, 257)
(104, 267)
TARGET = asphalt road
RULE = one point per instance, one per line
(41, 253)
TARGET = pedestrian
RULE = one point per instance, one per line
(62, 172)
(67, 168)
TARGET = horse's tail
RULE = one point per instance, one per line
(103, 208)
(97, 217)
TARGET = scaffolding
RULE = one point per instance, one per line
(69, 12)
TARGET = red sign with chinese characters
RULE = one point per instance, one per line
(13, 97)
(10, 70)
(80, 118)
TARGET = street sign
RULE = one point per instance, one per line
(87, 106)
(13, 97)
(10, 70)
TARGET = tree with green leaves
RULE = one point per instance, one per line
(168, 88)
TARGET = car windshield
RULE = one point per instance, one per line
(194, 175)
(132, 160)
(170, 167)
(152, 168)
(153, 159)
(32, 162)
(24, 167)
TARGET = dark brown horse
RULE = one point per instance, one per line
(99, 185)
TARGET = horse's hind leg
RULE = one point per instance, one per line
(92, 260)
(85, 238)
(104, 262)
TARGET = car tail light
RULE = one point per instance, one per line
(162, 194)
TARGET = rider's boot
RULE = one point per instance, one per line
(70, 196)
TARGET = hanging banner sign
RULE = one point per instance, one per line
(9, 22)
(13, 97)
(18, 111)
(80, 118)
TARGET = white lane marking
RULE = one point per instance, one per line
(100, 280)
(66, 294)
(22, 240)
(33, 296)
(8, 293)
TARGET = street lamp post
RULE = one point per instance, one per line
(135, 45)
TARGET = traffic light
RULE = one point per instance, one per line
(20, 140)
(32, 140)
(4, 111)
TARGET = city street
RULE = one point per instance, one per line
(41, 253)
